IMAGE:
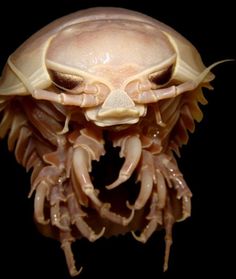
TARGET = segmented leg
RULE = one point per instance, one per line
(47, 178)
(131, 149)
(66, 241)
(175, 179)
(146, 176)
(161, 189)
(81, 166)
(77, 218)
(39, 200)
(169, 221)
(157, 204)
(155, 219)
(81, 100)
(168, 168)
(56, 198)
(152, 96)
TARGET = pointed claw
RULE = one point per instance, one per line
(121, 179)
(74, 272)
(146, 176)
(77, 218)
(132, 152)
(81, 166)
(95, 236)
(40, 196)
(114, 217)
(130, 206)
(86, 230)
(140, 238)
(148, 230)
(66, 246)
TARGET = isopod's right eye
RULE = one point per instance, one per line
(161, 77)
(65, 81)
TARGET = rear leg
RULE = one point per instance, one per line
(46, 185)
(66, 240)
(77, 216)
(169, 221)
(169, 168)
(154, 219)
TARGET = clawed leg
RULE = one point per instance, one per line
(42, 192)
(77, 218)
(114, 217)
(166, 165)
(131, 149)
(43, 184)
(56, 197)
(161, 189)
(81, 166)
(66, 241)
(169, 221)
(146, 176)
(155, 219)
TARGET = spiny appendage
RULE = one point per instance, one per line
(62, 183)
(64, 187)
(164, 190)
(162, 186)
(87, 147)
(49, 180)
(53, 189)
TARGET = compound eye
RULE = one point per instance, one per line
(161, 77)
(66, 81)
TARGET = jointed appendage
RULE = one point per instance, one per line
(160, 179)
(44, 183)
(146, 176)
(155, 95)
(131, 149)
(81, 100)
(77, 216)
(66, 240)
(81, 167)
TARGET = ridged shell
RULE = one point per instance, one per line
(27, 63)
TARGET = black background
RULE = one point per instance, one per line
(202, 244)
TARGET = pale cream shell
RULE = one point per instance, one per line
(25, 68)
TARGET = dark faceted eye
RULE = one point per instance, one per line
(66, 81)
(161, 78)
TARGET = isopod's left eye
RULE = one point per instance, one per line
(161, 77)
(65, 81)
